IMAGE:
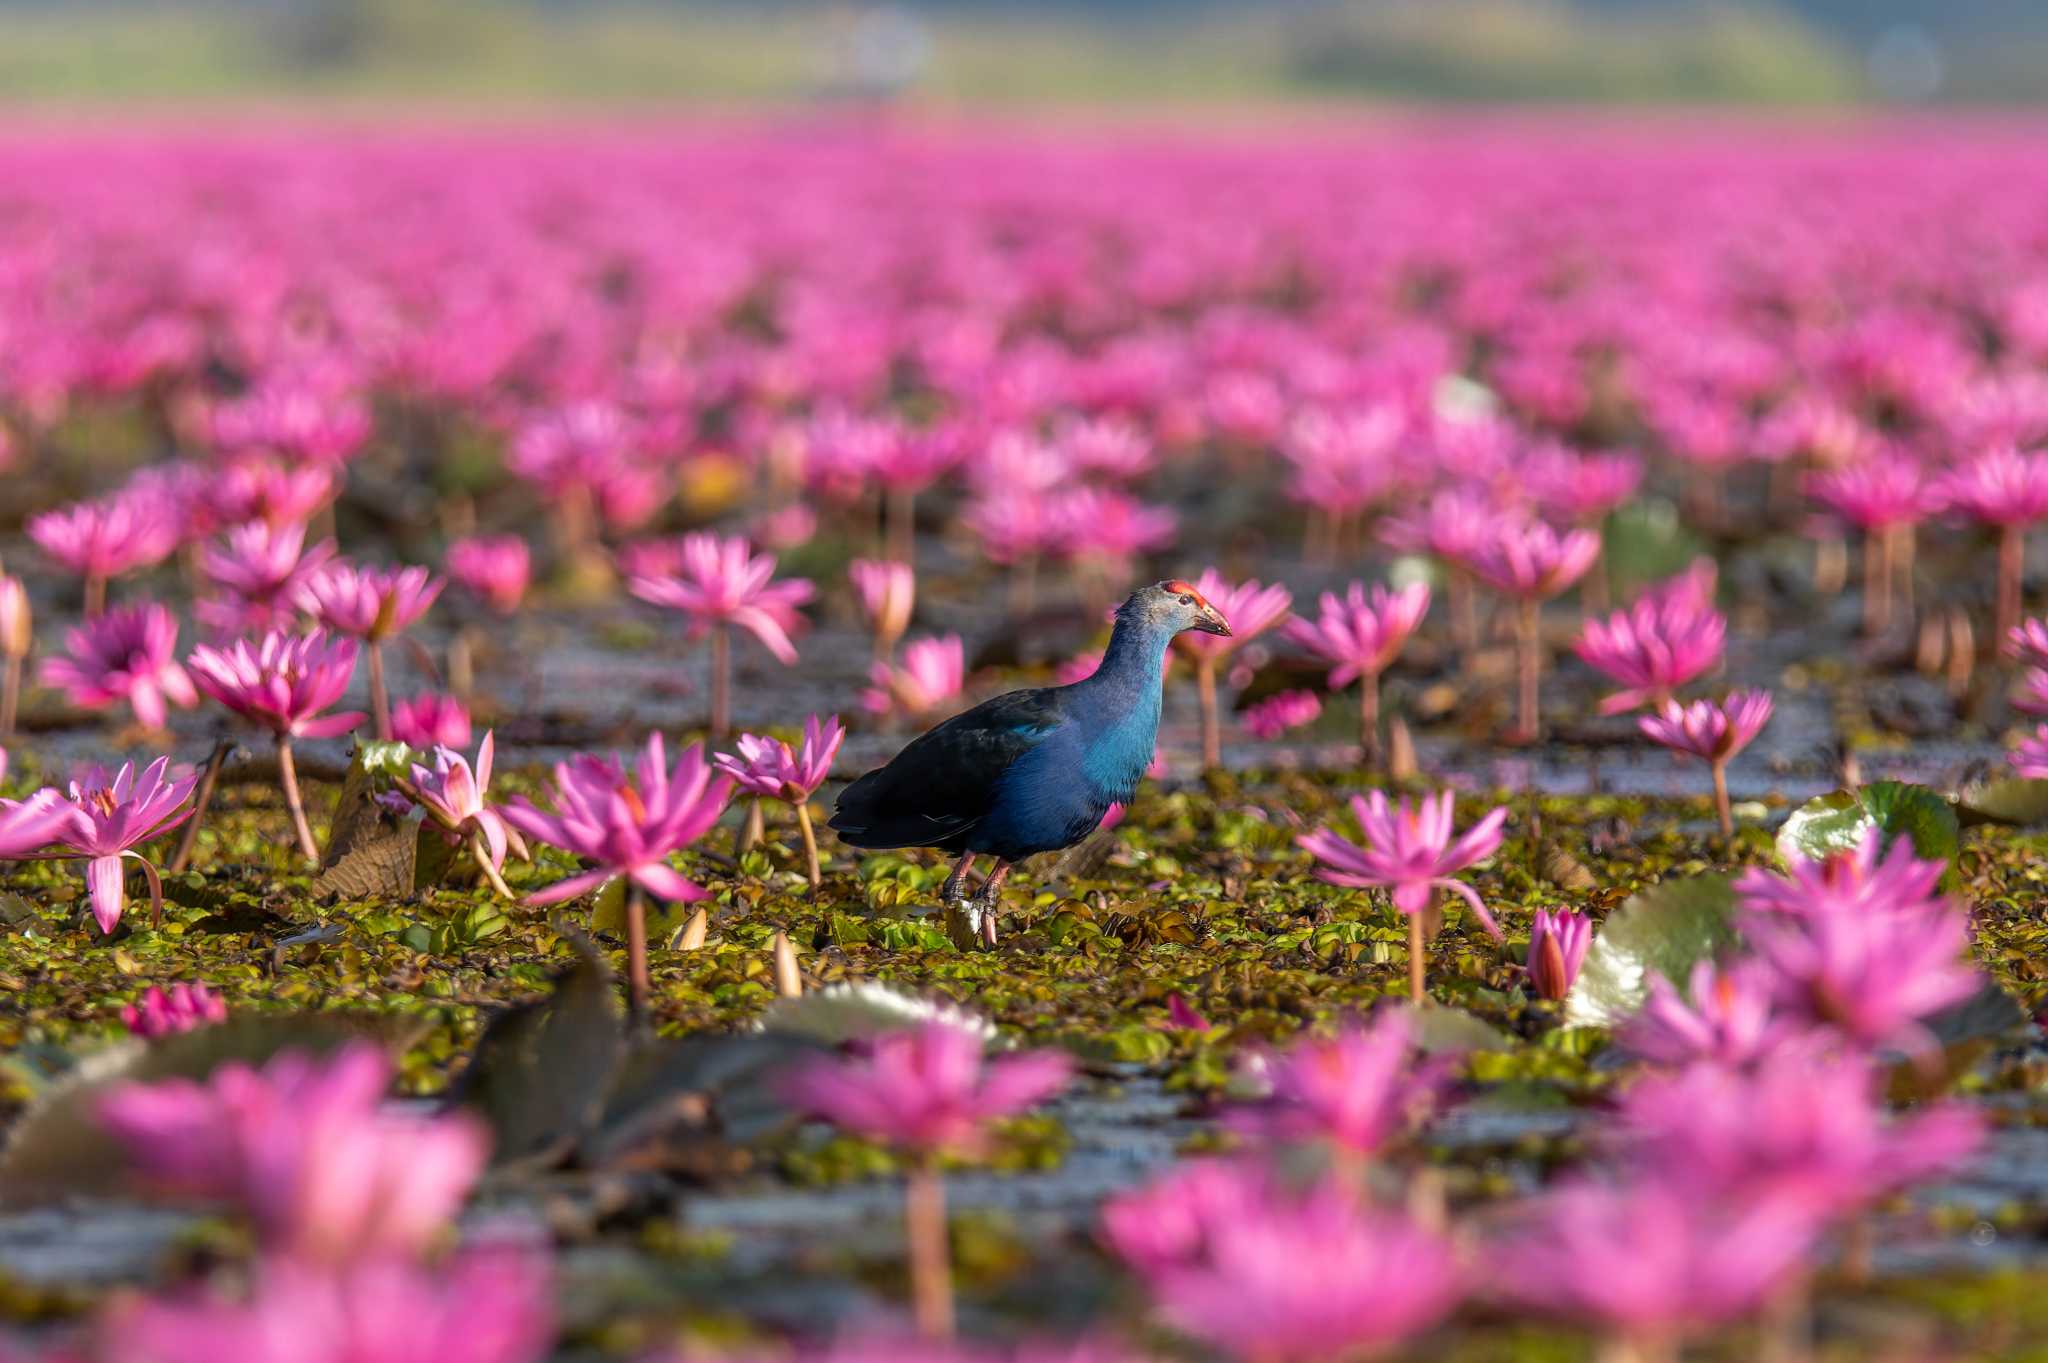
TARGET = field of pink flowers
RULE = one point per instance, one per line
(1587, 901)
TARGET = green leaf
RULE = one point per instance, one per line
(1836, 822)
(387, 759)
(1664, 930)
(2012, 800)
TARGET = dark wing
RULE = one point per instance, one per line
(943, 783)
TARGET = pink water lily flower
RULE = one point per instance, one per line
(1357, 1090)
(166, 1012)
(106, 539)
(628, 824)
(1652, 651)
(431, 720)
(1531, 562)
(770, 769)
(1713, 731)
(928, 1089)
(496, 569)
(1278, 713)
(29, 826)
(2007, 491)
(932, 672)
(484, 1305)
(720, 583)
(1875, 876)
(110, 820)
(887, 592)
(1359, 636)
(1251, 610)
(1558, 940)
(260, 570)
(453, 796)
(129, 653)
(1726, 1016)
(374, 605)
(17, 636)
(306, 1149)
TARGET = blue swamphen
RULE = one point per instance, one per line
(1030, 771)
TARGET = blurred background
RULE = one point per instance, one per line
(1022, 52)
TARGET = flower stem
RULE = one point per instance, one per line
(1212, 728)
(1464, 609)
(1877, 582)
(1369, 718)
(721, 681)
(1720, 767)
(380, 699)
(202, 801)
(637, 986)
(1529, 666)
(901, 508)
(803, 825)
(288, 780)
(2012, 550)
(482, 855)
(10, 697)
(95, 596)
(1416, 959)
(931, 1269)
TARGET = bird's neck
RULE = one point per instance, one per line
(1131, 663)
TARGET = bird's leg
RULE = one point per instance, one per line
(991, 899)
(963, 922)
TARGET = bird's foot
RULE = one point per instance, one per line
(964, 923)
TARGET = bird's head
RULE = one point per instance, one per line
(1177, 606)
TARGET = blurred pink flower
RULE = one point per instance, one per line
(17, 622)
(1250, 1268)
(2000, 487)
(1652, 651)
(1531, 560)
(1880, 490)
(887, 592)
(721, 581)
(485, 1305)
(1357, 1090)
(928, 1089)
(496, 569)
(1276, 714)
(769, 768)
(1452, 525)
(1580, 489)
(1250, 608)
(1872, 877)
(260, 569)
(112, 818)
(106, 539)
(1409, 851)
(932, 672)
(1108, 446)
(181, 1008)
(2029, 757)
(129, 653)
(1558, 940)
(270, 491)
(305, 1148)
(29, 826)
(627, 823)
(431, 720)
(1725, 1017)
(1360, 635)
(1712, 731)
(371, 604)
(282, 681)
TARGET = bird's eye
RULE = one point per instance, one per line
(1187, 601)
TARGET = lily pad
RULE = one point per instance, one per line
(1665, 930)
(1837, 821)
(2013, 800)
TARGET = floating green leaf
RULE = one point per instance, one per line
(1664, 930)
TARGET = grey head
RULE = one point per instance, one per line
(1173, 606)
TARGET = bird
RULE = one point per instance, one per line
(1029, 771)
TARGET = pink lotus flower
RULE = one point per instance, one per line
(269, 491)
(2008, 491)
(106, 539)
(720, 583)
(282, 682)
(496, 569)
(181, 1008)
(1530, 561)
(17, 622)
(888, 592)
(1278, 713)
(1648, 1260)
(1251, 611)
(488, 1305)
(453, 796)
(927, 1090)
(1726, 1017)
(1109, 447)
(431, 720)
(371, 604)
(1249, 1268)
(1870, 878)
(766, 767)
(110, 820)
(1360, 637)
(1713, 731)
(28, 826)
(261, 570)
(129, 653)
(933, 671)
(1801, 1128)
(1558, 940)
(1581, 489)
(1409, 851)
(1358, 1090)
(1651, 652)
(628, 824)
(306, 1150)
